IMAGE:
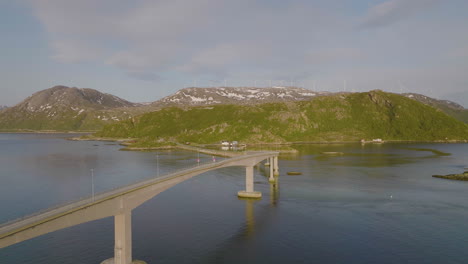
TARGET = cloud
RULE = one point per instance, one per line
(147, 56)
(145, 76)
(459, 52)
(73, 51)
(334, 55)
(392, 11)
(224, 56)
(247, 40)
(196, 37)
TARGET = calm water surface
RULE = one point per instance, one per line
(369, 204)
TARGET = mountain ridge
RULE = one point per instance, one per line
(63, 108)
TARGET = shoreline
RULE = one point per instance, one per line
(250, 144)
(126, 143)
(102, 139)
(284, 143)
(201, 148)
(47, 132)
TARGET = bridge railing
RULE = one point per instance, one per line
(179, 172)
(90, 199)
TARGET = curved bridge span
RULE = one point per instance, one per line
(120, 203)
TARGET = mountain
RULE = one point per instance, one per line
(3, 107)
(448, 107)
(62, 96)
(338, 117)
(195, 96)
(65, 108)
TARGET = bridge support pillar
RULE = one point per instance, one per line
(271, 179)
(123, 240)
(275, 166)
(249, 185)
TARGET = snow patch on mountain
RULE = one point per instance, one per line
(194, 96)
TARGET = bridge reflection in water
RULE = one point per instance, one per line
(120, 203)
(249, 208)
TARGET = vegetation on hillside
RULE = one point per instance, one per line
(345, 117)
(61, 119)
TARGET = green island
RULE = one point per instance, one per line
(459, 177)
(338, 118)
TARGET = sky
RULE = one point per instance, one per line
(143, 50)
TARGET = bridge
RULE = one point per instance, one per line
(120, 202)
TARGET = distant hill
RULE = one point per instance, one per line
(195, 96)
(460, 97)
(198, 96)
(65, 108)
(339, 117)
(449, 107)
(3, 107)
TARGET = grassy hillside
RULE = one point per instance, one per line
(332, 118)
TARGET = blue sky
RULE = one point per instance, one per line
(143, 50)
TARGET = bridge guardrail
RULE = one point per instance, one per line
(101, 196)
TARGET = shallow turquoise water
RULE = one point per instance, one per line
(371, 204)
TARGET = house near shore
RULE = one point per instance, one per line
(375, 140)
(233, 144)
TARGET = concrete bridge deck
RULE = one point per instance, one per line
(120, 202)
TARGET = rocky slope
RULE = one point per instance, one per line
(338, 117)
(65, 108)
